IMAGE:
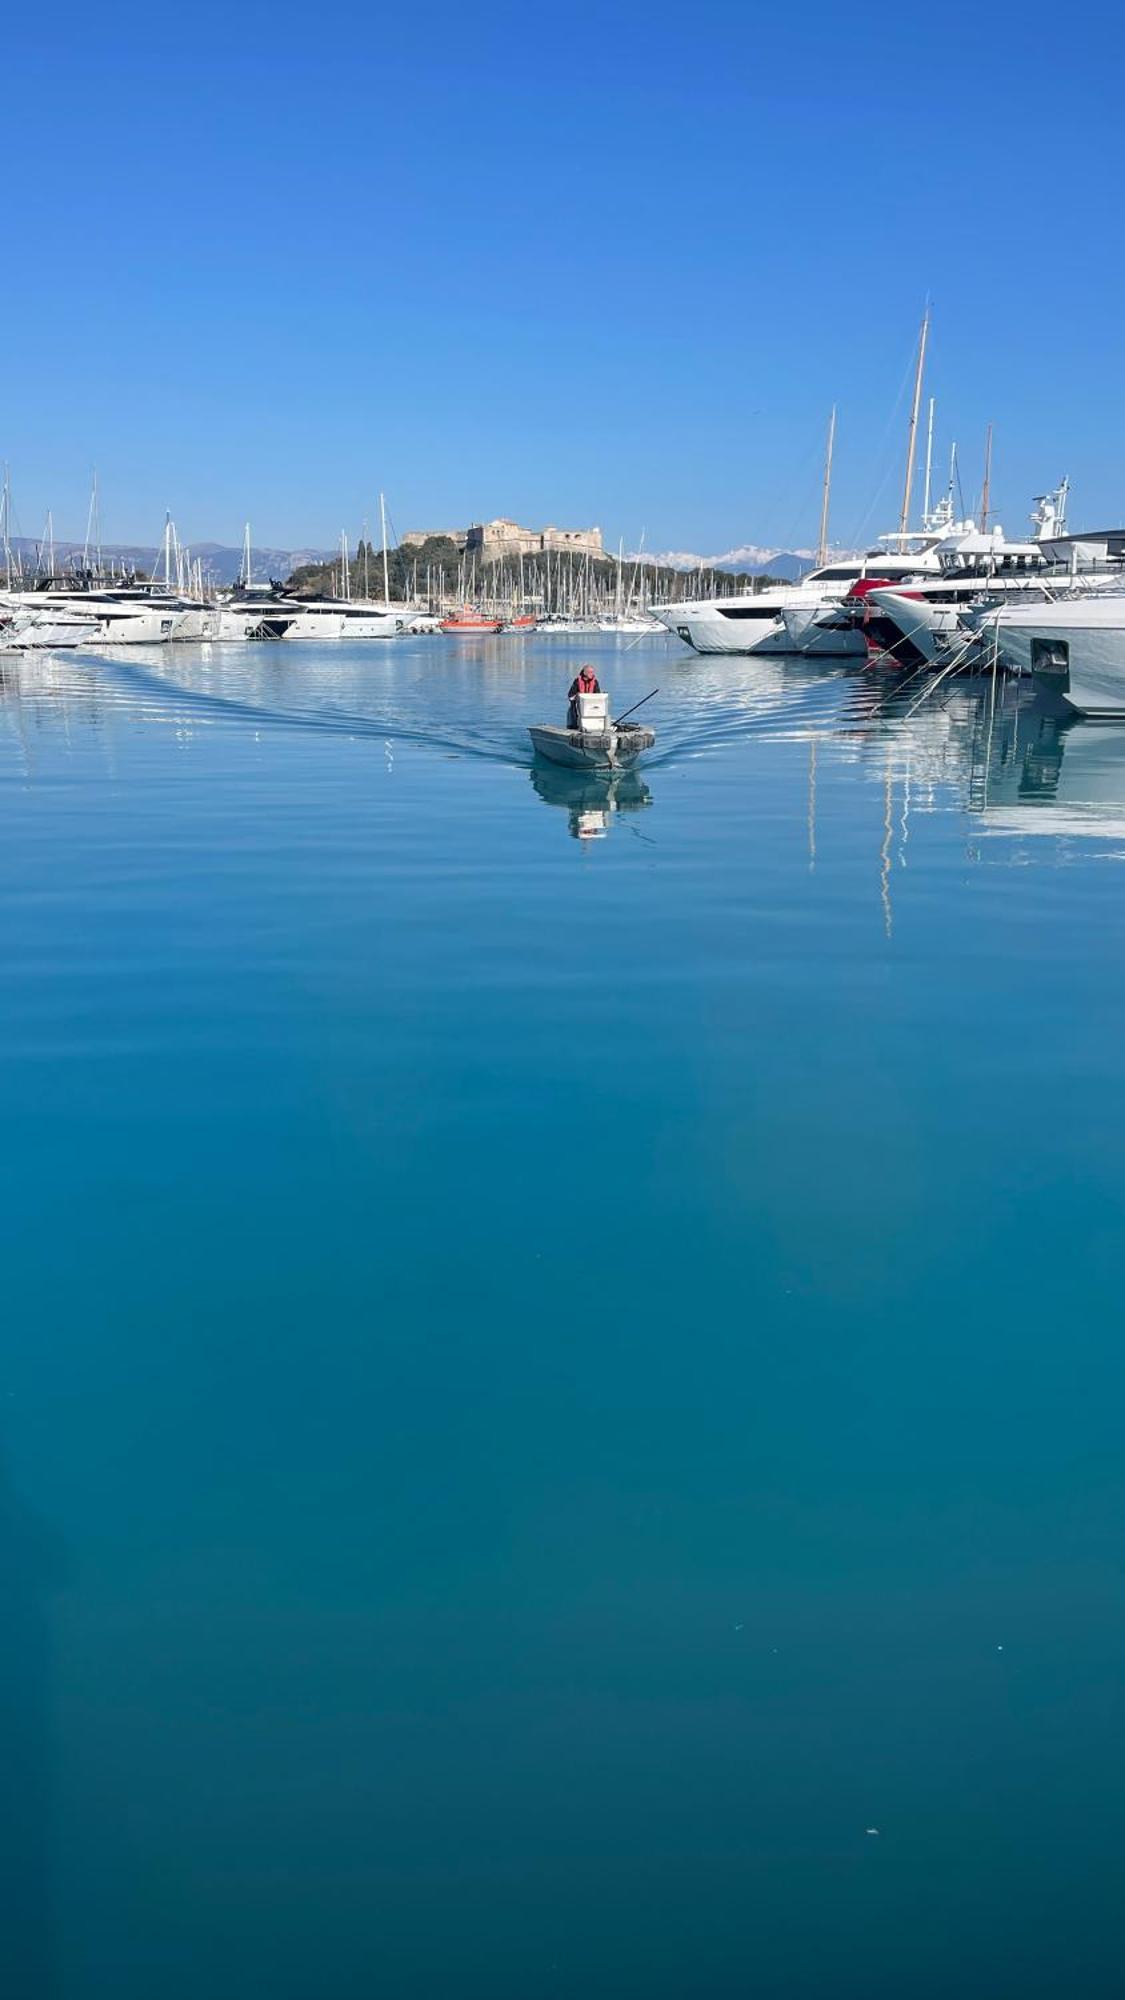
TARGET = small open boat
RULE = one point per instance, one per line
(598, 744)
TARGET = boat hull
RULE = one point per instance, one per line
(812, 633)
(50, 634)
(907, 628)
(708, 629)
(581, 750)
(1075, 651)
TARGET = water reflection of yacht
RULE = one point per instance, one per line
(590, 797)
(1055, 774)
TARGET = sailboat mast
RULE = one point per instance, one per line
(383, 522)
(986, 489)
(246, 558)
(822, 544)
(929, 463)
(91, 520)
(923, 337)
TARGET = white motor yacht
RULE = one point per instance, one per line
(346, 618)
(785, 620)
(1073, 646)
(22, 630)
(117, 616)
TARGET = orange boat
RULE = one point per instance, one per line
(470, 621)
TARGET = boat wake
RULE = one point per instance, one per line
(393, 722)
(420, 696)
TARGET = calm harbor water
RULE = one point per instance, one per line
(561, 1392)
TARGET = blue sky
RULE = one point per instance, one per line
(603, 264)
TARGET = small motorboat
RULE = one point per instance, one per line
(599, 743)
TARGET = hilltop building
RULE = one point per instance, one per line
(492, 540)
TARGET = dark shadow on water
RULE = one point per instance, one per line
(31, 1568)
(590, 798)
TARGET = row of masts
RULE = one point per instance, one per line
(562, 583)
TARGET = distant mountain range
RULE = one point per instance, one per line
(220, 564)
(748, 561)
(223, 565)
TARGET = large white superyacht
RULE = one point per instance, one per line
(116, 615)
(271, 611)
(781, 620)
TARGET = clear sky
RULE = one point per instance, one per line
(586, 264)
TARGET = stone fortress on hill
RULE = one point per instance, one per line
(489, 541)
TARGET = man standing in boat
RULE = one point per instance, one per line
(585, 682)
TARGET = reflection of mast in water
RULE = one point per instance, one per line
(885, 850)
(812, 804)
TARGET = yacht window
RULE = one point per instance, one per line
(747, 611)
(846, 574)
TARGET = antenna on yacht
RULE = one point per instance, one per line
(986, 489)
(245, 578)
(383, 522)
(955, 478)
(912, 436)
(822, 545)
(929, 463)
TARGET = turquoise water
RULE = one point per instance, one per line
(562, 1356)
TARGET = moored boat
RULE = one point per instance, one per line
(1073, 648)
(474, 623)
(598, 743)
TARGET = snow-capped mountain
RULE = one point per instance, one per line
(749, 560)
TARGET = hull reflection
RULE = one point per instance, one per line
(590, 798)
